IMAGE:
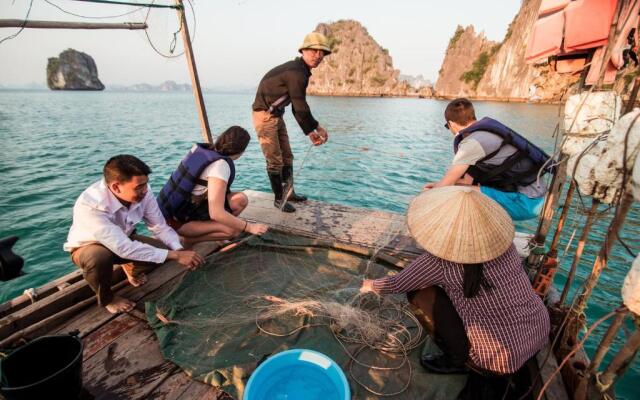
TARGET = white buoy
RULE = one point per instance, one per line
(584, 123)
(631, 288)
(635, 179)
(625, 136)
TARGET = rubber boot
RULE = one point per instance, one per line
(276, 186)
(287, 178)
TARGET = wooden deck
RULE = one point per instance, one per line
(121, 356)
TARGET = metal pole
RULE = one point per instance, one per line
(579, 249)
(18, 23)
(193, 72)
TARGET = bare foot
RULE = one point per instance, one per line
(139, 280)
(119, 304)
(135, 281)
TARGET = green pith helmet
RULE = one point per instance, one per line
(316, 40)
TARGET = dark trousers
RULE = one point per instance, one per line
(96, 262)
(437, 314)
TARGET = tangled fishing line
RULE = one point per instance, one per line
(371, 322)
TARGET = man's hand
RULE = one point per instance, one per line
(319, 136)
(187, 258)
(323, 133)
(428, 186)
(257, 229)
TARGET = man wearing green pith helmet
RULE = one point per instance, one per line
(283, 85)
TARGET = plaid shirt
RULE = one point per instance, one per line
(506, 324)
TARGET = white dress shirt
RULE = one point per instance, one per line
(99, 217)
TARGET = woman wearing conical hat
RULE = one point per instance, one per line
(469, 288)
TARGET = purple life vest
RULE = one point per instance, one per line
(174, 199)
(505, 176)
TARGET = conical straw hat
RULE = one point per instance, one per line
(460, 224)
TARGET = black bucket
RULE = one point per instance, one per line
(47, 367)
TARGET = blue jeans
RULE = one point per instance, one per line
(518, 205)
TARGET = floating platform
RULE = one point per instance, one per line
(122, 357)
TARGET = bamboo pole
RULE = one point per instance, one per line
(193, 72)
(553, 250)
(613, 30)
(633, 96)
(607, 339)
(582, 386)
(598, 266)
(620, 362)
(19, 23)
(550, 203)
(579, 250)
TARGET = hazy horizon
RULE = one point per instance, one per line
(236, 42)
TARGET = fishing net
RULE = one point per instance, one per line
(279, 291)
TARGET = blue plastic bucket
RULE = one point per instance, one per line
(298, 374)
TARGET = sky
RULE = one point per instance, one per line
(237, 41)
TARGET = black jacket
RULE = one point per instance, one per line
(292, 79)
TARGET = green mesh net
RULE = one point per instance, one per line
(278, 292)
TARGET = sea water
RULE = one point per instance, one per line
(379, 155)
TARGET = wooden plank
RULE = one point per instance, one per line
(96, 316)
(40, 293)
(40, 310)
(108, 333)
(370, 228)
(180, 386)
(129, 367)
(556, 390)
(19, 23)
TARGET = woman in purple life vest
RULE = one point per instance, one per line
(197, 200)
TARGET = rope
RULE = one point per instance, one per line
(575, 349)
(26, 19)
(174, 40)
(88, 16)
(393, 345)
(289, 187)
(31, 294)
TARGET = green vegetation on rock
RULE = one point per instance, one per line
(456, 36)
(477, 69)
(334, 42)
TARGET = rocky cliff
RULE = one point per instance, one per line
(500, 72)
(464, 59)
(358, 66)
(73, 70)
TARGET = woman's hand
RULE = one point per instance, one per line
(367, 286)
(257, 229)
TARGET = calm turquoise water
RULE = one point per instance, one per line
(381, 151)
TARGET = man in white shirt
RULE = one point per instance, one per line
(103, 231)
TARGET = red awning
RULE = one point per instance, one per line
(587, 24)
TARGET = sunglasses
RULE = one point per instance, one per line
(446, 125)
